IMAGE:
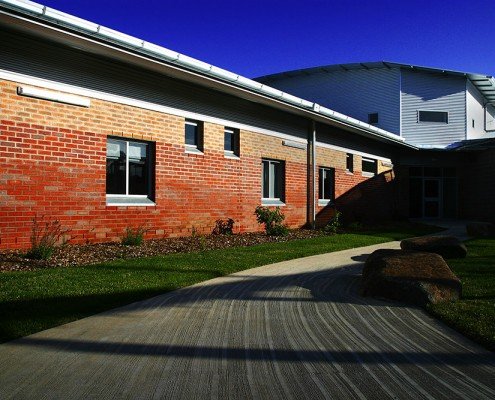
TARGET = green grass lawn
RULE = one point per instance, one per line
(474, 314)
(40, 299)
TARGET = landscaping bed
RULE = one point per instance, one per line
(76, 255)
(70, 255)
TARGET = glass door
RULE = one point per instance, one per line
(432, 198)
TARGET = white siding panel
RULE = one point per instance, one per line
(26, 55)
(475, 111)
(356, 93)
(433, 92)
(490, 119)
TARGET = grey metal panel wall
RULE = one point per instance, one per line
(338, 137)
(433, 92)
(356, 93)
(27, 55)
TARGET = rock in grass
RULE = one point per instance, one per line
(446, 246)
(480, 229)
(412, 277)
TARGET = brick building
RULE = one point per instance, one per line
(103, 131)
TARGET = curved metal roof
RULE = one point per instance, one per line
(484, 83)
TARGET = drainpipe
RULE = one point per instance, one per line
(311, 172)
(314, 173)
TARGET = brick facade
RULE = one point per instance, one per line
(53, 163)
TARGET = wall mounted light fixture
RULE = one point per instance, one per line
(53, 96)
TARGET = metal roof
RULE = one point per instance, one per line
(484, 83)
(35, 12)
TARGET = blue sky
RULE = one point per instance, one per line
(258, 37)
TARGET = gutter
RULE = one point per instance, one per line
(142, 48)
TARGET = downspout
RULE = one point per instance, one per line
(313, 161)
(311, 172)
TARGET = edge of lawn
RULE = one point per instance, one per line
(473, 315)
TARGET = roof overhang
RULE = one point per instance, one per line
(49, 24)
(484, 83)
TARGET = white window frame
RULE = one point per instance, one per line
(433, 122)
(272, 200)
(129, 199)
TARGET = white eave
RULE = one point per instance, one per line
(197, 71)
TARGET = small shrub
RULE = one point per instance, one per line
(355, 226)
(45, 234)
(224, 227)
(133, 236)
(334, 224)
(272, 219)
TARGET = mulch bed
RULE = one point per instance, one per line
(76, 255)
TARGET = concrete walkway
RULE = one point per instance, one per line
(292, 330)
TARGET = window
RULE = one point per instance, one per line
(326, 185)
(433, 116)
(350, 162)
(373, 118)
(129, 172)
(231, 142)
(472, 123)
(273, 182)
(368, 166)
(194, 135)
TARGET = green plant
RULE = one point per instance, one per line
(272, 219)
(334, 224)
(133, 236)
(224, 227)
(45, 234)
(355, 226)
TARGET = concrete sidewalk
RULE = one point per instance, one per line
(291, 330)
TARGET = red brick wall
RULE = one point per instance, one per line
(53, 164)
(53, 157)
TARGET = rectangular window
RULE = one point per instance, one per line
(369, 166)
(129, 171)
(326, 185)
(373, 118)
(273, 181)
(194, 135)
(350, 162)
(231, 142)
(433, 116)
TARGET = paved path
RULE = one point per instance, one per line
(291, 330)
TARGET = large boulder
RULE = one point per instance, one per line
(413, 277)
(446, 246)
(479, 229)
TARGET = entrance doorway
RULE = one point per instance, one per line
(432, 192)
(431, 197)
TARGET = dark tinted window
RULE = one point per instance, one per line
(116, 166)
(373, 118)
(231, 140)
(433, 116)
(369, 165)
(192, 133)
(129, 167)
(326, 184)
(350, 162)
